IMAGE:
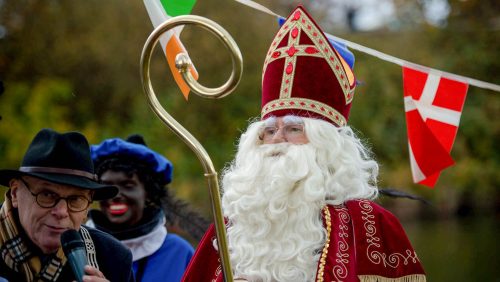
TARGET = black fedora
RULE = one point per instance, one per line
(62, 158)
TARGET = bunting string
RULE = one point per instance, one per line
(386, 57)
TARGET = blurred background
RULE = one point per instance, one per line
(74, 65)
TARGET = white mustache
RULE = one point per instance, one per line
(275, 150)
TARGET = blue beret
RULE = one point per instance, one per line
(116, 147)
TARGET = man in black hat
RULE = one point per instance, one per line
(49, 194)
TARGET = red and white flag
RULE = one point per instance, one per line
(433, 105)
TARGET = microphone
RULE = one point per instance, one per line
(74, 249)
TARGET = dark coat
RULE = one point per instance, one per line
(113, 258)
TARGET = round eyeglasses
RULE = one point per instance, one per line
(48, 199)
(290, 132)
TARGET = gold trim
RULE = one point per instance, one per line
(407, 278)
(290, 61)
(300, 52)
(306, 105)
(322, 260)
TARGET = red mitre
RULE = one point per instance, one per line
(304, 75)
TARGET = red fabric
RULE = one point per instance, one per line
(382, 247)
(433, 106)
(429, 154)
(302, 64)
(364, 239)
(205, 264)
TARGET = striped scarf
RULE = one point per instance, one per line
(16, 254)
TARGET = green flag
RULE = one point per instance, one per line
(177, 7)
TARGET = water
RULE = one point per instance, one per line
(458, 249)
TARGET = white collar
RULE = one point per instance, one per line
(146, 245)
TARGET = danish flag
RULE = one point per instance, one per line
(433, 105)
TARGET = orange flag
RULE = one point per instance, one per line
(170, 43)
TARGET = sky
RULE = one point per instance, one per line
(375, 14)
(371, 14)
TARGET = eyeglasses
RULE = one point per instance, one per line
(289, 131)
(47, 199)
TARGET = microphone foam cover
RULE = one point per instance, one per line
(70, 240)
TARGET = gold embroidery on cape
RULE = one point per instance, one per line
(374, 255)
(321, 44)
(322, 260)
(340, 270)
(307, 105)
(218, 270)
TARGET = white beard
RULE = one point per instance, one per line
(273, 202)
(273, 196)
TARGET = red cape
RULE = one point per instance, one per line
(364, 242)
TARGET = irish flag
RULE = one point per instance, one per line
(159, 11)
